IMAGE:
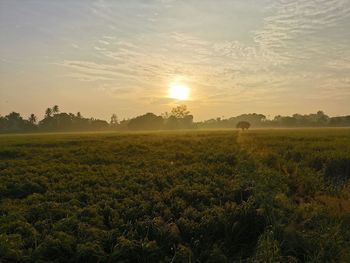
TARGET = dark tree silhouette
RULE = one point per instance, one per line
(55, 109)
(13, 122)
(114, 120)
(180, 111)
(149, 121)
(32, 118)
(48, 112)
(178, 118)
(244, 125)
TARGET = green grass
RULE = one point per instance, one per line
(274, 195)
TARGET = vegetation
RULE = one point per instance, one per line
(320, 119)
(53, 121)
(244, 125)
(195, 196)
(178, 118)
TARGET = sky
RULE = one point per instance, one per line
(101, 57)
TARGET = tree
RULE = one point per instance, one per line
(98, 125)
(165, 115)
(14, 116)
(180, 111)
(114, 120)
(55, 109)
(322, 118)
(13, 122)
(149, 121)
(244, 125)
(48, 112)
(79, 115)
(3, 123)
(253, 118)
(178, 118)
(32, 119)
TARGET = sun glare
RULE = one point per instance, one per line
(179, 92)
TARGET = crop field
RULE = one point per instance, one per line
(279, 195)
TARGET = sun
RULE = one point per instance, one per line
(179, 92)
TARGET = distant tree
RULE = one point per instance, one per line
(14, 116)
(165, 115)
(187, 122)
(341, 121)
(79, 115)
(178, 118)
(114, 120)
(288, 121)
(32, 119)
(172, 122)
(253, 118)
(322, 118)
(14, 122)
(48, 112)
(149, 121)
(124, 124)
(98, 125)
(180, 111)
(244, 125)
(3, 123)
(301, 120)
(55, 109)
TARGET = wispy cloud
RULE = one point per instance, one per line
(290, 51)
(289, 34)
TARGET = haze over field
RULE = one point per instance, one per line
(224, 57)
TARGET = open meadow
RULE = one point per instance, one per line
(278, 195)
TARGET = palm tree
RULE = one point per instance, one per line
(55, 109)
(48, 112)
(32, 118)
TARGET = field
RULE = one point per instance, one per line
(198, 196)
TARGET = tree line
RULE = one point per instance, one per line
(54, 120)
(178, 118)
(319, 119)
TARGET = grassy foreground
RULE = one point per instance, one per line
(199, 196)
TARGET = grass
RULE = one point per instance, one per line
(276, 195)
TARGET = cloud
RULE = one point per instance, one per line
(104, 42)
(288, 34)
(342, 64)
(290, 51)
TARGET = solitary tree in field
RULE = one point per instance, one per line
(32, 118)
(48, 112)
(55, 109)
(244, 125)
